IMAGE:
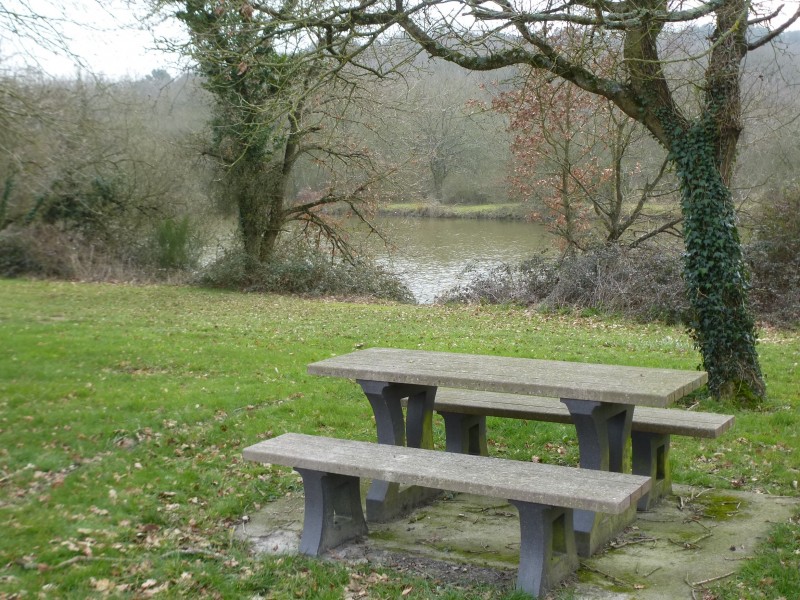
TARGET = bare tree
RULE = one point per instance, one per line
(442, 131)
(572, 155)
(34, 33)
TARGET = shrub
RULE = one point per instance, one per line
(91, 206)
(526, 283)
(175, 245)
(47, 251)
(302, 269)
(40, 251)
(467, 196)
(643, 283)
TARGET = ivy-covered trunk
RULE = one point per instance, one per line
(714, 270)
(258, 112)
(259, 192)
(703, 150)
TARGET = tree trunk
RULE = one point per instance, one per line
(259, 193)
(714, 270)
(704, 151)
(438, 168)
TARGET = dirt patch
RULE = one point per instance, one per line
(437, 571)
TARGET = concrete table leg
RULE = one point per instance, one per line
(385, 500)
(651, 459)
(465, 434)
(603, 430)
(547, 546)
(333, 512)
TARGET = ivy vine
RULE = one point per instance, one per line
(722, 324)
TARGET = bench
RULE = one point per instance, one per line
(544, 495)
(465, 411)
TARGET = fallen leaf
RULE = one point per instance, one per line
(102, 585)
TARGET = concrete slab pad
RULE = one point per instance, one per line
(692, 537)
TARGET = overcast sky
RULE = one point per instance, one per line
(117, 45)
(108, 37)
(111, 40)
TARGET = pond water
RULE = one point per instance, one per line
(432, 255)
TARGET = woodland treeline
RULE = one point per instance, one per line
(112, 179)
(117, 162)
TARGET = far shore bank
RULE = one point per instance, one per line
(516, 211)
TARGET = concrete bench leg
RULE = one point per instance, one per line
(333, 512)
(465, 434)
(547, 546)
(386, 501)
(603, 431)
(651, 459)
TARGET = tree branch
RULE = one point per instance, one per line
(775, 33)
(665, 227)
(611, 20)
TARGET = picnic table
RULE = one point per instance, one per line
(600, 398)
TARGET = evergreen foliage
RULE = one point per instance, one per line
(716, 276)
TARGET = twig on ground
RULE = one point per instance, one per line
(82, 558)
(701, 524)
(192, 551)
(497, 507)
(698, 584)
(252, 406)
(692, 544)
(640, 540)
(484, 550)
(693, 496)
(15, 473)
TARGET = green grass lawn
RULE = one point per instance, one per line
(124, 410)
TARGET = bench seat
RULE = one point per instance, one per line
(465, 411)
(545, 495)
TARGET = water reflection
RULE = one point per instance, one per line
(431, 255)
